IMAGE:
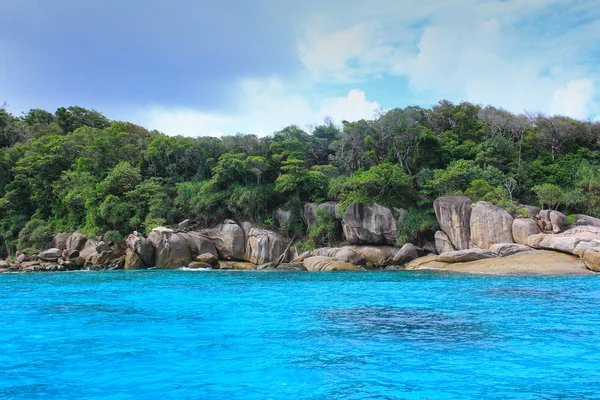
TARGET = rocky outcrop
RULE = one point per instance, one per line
(551, 221)
(350, 256)
(443, 243)
(320, 264)
(263, 246)
(208, 258)
(198, 243)
(508, 249)
(51, 254)
(363, 224)
(407, 253)
(489, 225)
(170, 249)
(375, 256)
(454, 214)
(538, 262)
(591, 259)
(311, 211)
(586, 220)
(229, 240)
(467, 255)
(141, 246)
(60, 241)
(566, 244)
(133, 261)
(522, 228)
(75, 242)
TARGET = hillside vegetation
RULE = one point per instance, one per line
(78, 170)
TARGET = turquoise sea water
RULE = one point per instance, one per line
(229, 335)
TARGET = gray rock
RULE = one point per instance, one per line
(60, 241)
(264, 246)
(282, 217)
(76, 241)
(454, 216)
(586, 220)
(443, 243)
(326, 251)
(350, 256)
(490, 225)
(523, 228)
(508, 249)
(566, 244)
(229, 239)
(376, 256)
(133, 261)
(407, 253)
(301, 257)
(170, 249)
(208, 258)
(142, 247)
(464, 255)
(318, 263)
(51, 254)
(363, 224)
(198, 243)
(551, 221)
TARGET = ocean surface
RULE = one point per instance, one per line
(250, 335)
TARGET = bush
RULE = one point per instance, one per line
(324, 231)
(36, 235)
(416, 223)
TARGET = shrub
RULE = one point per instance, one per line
(416, 223)
(36, 235)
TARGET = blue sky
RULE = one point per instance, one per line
(254, 66)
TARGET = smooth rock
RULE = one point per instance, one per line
(464, 255)
(522, 228)
(326, 251)
(142, 247)
(407, 253)
(301, 257)
(376, 256)
(350, 256)
(443, 243)
(508, 249)
(133, 261)
(198, 264)
(51, 254)
(76, 241)
(60, 241)
(198, 243)
(208, 258)
(454, 215)
(538, 262)
(589, 232)
(586, 220)
(490, 225)
(170, 249)
(551, 220)
(264, 246)
(566, 244)
(591, 259)
(363, 224)
(229, 239)
(319, 263)
(582, 247)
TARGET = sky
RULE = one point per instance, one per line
(198, 67)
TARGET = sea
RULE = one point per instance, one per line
(180, 334)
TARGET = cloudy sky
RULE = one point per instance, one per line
(199, 67)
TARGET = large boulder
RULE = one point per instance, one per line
(586, 220)
(133, 261)
(532, 211)
(264, 246)
(454, 215)
(508, 249)
(198, 243)
(319, 263)
(376, 256)
(591, 259)
(75, 242)
(407, 253)
(60, 241)
(142, 247)
(589, 232)
(443, 243)
(170, 249)
(490, 225)
(566, 244)
(229, 239)
(91, 248)
(464, 256)
(363, 224)
(350, 256)
(51, 254)
(522, 228)
(325, 251)
(551, 221)
(311, 209)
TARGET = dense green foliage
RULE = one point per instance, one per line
(76, 169)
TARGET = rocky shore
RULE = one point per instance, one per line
(473, 238)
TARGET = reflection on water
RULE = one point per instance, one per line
(405, 324)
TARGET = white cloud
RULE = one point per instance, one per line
(506, 53)
(575, 99)
(263, 107)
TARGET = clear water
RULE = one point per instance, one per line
(229, 335)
